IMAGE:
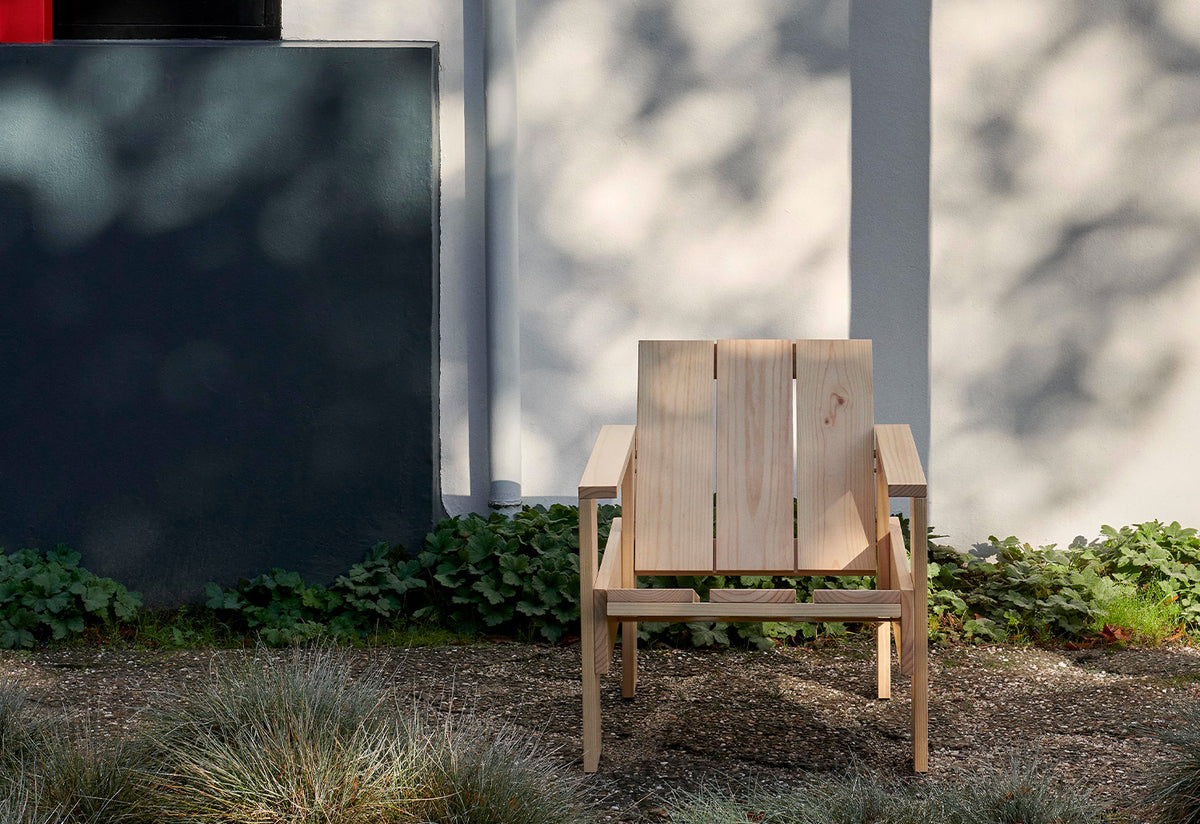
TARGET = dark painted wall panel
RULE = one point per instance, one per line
(217, 297)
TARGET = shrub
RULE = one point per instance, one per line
(1022, 593)
(1152, 555)
(48, 597)
(1148, 574)
(515, 575)
(279, 606)
(283, 609)
(520, 576)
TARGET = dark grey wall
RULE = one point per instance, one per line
(217, 307)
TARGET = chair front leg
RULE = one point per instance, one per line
(919, 539)
(588, 554)
(883, 659)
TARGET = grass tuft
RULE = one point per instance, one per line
(1015, 793)
(297, 739)
(1149, 615)
(851, 798)
(59, 774)
(1175, 796)
(294, 739)
(480, 775)
(83, 781)
(283, 739)
(15, 722)
(19, 802)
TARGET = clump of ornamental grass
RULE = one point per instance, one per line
(1017, 791)
(297, 739)
(1174, 798)
(18, 790)
(16, 723)
(57, 773)
(19, 801)
(479, 774)
(850, 798)
(290, 740)
(28, 799)
(82, 780)
(996, 795)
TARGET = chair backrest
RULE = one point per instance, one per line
(755, 422)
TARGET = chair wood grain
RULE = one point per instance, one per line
(675, 458)
(708, 611)
(752, 596)
(899, 462)
(754, 456)
(902, 581)
(608, 463)
(835, 457)
(653, 595)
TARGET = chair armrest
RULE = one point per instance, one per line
(611, 458)
(899, 462)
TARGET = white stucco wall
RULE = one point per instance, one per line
(1066, 266)
(684, 172)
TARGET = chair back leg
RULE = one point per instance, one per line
(883, 660)
(628, 658)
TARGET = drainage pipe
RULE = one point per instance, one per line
(503, 323)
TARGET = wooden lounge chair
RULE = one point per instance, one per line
(725, 411)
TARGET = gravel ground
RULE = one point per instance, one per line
(728, 719)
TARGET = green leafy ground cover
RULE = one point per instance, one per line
(50, 597)
(518, 577)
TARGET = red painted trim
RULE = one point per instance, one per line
(26, 21)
